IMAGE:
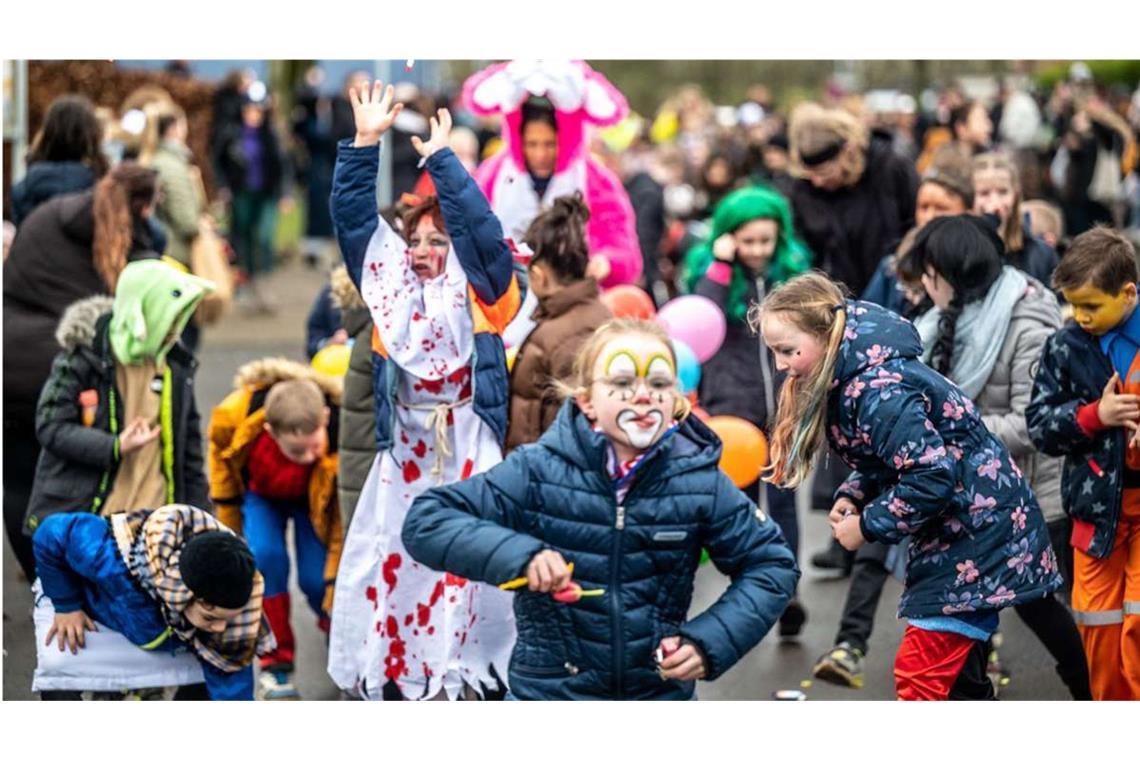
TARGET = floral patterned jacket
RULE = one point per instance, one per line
(926, 467)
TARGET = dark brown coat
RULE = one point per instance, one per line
(565, 320)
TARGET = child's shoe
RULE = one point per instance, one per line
(276, 685)
(843, 665)
(793, 619)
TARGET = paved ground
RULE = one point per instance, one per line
(772, 665)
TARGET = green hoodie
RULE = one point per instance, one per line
(153, 303)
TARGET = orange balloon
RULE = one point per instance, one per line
(629, 302)
(745, 451)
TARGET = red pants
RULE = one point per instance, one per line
(937, 666)
(1106, 606)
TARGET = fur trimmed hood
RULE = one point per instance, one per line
(77, 325)
(266, 372)
(344, 294)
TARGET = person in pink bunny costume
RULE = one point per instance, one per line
(547, 108)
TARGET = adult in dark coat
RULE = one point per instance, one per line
(52, 265)
(65, 156)
(856, 197)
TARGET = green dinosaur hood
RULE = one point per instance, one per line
(153, 303)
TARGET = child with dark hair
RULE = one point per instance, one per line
(1086, 406)
(568, 312)
(170, 579)
(985, 332)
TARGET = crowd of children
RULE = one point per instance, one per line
(507, 495)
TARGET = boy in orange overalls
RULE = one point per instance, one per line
(1086, 406)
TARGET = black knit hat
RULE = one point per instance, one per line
(218, 568)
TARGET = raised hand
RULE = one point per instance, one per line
(440, 134)
(373, 112)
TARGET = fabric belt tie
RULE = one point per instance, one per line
(437, 423)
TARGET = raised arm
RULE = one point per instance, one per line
(353, 201)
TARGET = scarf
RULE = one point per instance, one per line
(150, 543)
(979, 333)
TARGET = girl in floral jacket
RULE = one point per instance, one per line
(925, 466)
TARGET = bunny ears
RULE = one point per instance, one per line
(571, 86)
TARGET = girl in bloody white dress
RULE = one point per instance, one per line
(440, 296)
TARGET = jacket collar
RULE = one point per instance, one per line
(577, 294)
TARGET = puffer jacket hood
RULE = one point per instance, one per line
(873, 335)
(77, 325)
(153, 303)
(345, 296)
(263, 373)
(1039, 305)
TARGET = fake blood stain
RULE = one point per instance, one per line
(390, 566)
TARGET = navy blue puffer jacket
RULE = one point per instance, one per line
(926, 467)
(558, 494)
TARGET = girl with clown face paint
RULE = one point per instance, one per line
(619, 496)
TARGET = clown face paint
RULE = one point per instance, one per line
(633, 393)
(427, 249)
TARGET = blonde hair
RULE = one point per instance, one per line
(294, 406)
(1013, 236)
(1045, 219)
(582, 376)
(814, 128)
(815, 305)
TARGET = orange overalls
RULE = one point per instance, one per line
(1106, 592)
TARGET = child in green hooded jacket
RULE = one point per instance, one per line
(117, 419)
(752, 248)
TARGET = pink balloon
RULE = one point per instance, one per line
(695, 321)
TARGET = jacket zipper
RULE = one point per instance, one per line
(615, 596)
(104, 482)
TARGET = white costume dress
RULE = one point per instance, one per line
(394, 619)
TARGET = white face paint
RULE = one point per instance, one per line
(634, 392)
(641, 429)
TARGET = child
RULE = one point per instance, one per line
(440, 296)
(117, 418)
(924, 466)
(273, 459)
(568, 313)
(167, 579)
(997, 191)
(1082, 408)
(985, 332)
(625, 486)
(1045, 222)
(752, 246)
(946, 188)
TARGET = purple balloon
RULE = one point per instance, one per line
(695, 321)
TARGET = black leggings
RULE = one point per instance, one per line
(1053, 626)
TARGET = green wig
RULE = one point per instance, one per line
(736, 209)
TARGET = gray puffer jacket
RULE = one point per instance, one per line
(1003, 400)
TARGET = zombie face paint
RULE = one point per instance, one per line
(633, 393)
(427, 249)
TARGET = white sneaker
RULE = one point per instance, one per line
(276, 685)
